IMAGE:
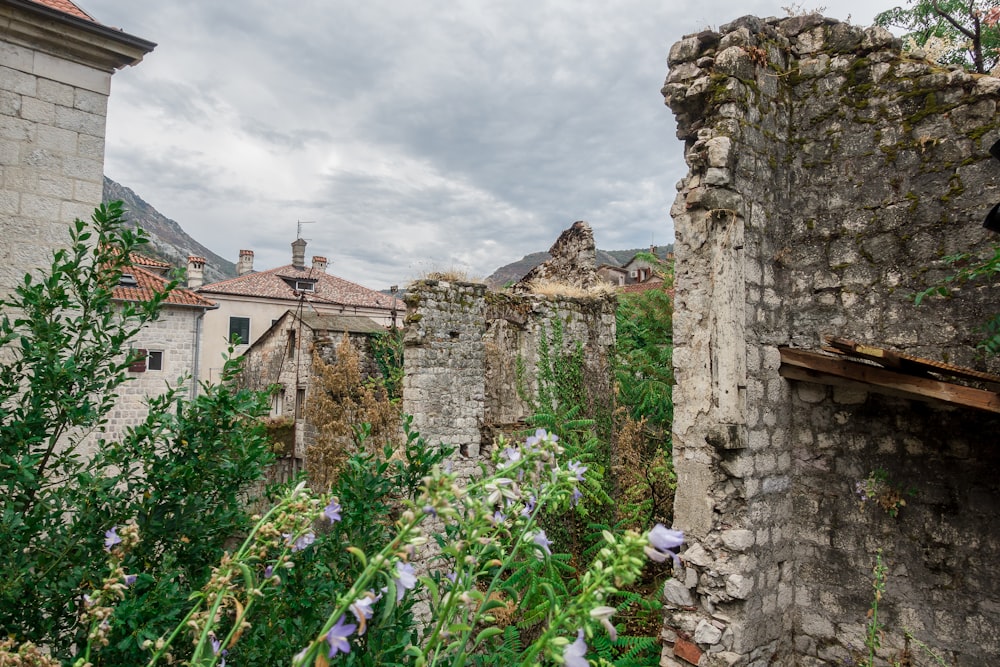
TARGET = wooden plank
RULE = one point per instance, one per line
(797, 364)
(905, 362)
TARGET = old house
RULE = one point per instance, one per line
(169, 345)
(56, 64)
(255, 300)
(282, 359)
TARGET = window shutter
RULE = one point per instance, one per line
(139, 365)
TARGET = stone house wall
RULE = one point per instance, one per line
(174, 334)
(55, 78)
(829, 176)
(463, 347)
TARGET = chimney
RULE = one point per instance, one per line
(299, 253)
(245, 265)
(319, 263)
(195, 272)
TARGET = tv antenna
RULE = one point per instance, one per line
(303, 222)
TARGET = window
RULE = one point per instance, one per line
(300, 402)
(154, 360)
(305, 286)
(240, 326)
(291, 343)
(278, 402)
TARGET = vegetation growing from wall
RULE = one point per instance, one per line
(961, 32)
(339, 403)
(970, 269)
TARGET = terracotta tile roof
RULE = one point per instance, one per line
(272, 284)
(137, 259)
(148, 283)
(66, 7)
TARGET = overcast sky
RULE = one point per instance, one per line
(417, 135)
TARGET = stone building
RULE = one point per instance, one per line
(830, 174)
(56, 64)
(169, 345)
(253, 301)
(282, 358)
(471, 354)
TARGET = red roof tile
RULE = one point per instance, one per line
(137, 259)
(272, 284)
(66, 7)
(148, 283)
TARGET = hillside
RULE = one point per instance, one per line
(168, 242)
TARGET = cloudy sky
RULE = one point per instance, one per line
(415, 135)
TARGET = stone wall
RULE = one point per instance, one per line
(463, 349)
(55, 78)
(829, 176)
(175, 334)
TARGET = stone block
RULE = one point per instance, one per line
(687, 651)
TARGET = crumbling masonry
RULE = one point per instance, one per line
(829, 176)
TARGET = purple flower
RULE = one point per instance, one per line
(529, 507)
(511, 455)
(268, 572)
(498, 517)
(332, 511)
(573, 655)
(541, 540)
(662, 541)
(337, 637)
(304, 541)
(130, 579)
(429, 509)
(576, 496)
(577, 469)
(111, 538)
(604, 614)
(362, 608)
(405, 579)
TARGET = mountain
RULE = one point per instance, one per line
(167, 241)
(516, 270)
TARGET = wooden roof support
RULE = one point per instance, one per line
(809, 366)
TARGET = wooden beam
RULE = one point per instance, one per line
(809, 366)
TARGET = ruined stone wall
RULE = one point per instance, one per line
(470, 356)
(829, 175)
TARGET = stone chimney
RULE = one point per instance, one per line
(195, 271)
(245, 265)
(299, 253)
(319, 263)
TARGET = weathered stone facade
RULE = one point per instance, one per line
(829, 176)
(283, 358)
(463, 346)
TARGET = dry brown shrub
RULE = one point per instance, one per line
(340, 401)
(553, 288)
(645, 479)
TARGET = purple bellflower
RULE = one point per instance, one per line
(541, 540)
(574, 653)
(662, 542)
(332, 511)
(405, 579)
(111, 538)
(337, 637)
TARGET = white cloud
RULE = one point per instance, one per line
(418, 135)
